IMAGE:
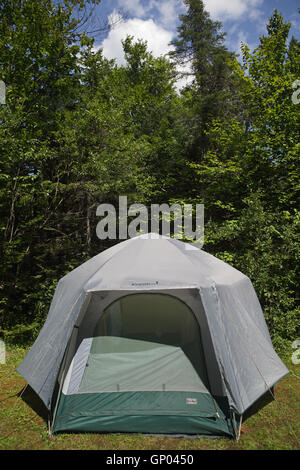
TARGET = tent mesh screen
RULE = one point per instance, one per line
(157, 318)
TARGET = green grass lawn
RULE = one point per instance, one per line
(23, 425)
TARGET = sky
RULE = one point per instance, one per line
(156, 20)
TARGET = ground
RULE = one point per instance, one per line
(23, 422)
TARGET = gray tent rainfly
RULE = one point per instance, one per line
(153, 335)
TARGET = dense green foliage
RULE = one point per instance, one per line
(78, 130)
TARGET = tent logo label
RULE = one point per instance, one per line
(142, 284)
(191, 401)
(184, 221)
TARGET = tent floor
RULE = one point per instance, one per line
(144, 412)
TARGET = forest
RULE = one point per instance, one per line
(78, 130)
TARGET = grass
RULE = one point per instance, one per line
(23, 425)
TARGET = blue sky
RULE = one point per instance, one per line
(156, 21)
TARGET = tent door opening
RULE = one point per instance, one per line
(156, 318)
(143, 361)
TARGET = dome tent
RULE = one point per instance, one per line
(153, 335)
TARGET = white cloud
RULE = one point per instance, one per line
(165, 12)
(114, 18)
(157, 38)
(187, 78)
(233, 9)
(133, 6)
(158, 41)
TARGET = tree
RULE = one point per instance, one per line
(272, 139)
(38, 49)
(200, 45)
(252, 180)
(132, 113)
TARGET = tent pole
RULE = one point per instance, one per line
(239, 430)
(49, 426)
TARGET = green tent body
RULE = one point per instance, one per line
(153, 336)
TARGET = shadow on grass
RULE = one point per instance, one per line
(34, 402)
(263, 401)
